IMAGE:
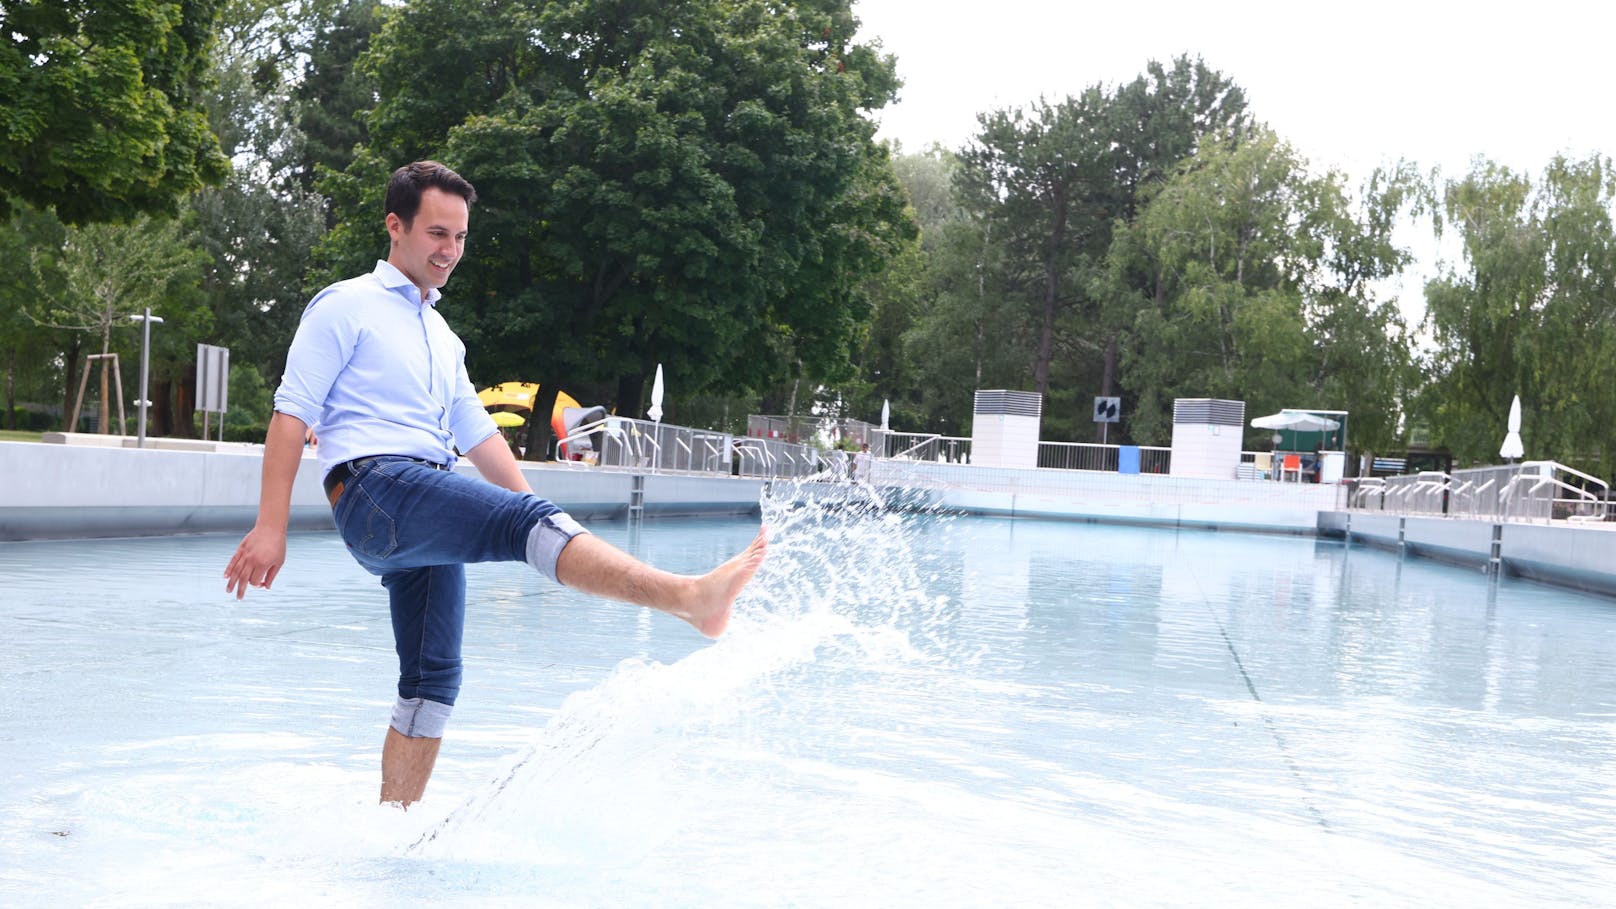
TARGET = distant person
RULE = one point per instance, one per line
(861, 464)
(378, 371)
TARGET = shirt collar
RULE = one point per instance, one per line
(393, 279)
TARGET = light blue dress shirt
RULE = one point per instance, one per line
(375, 370)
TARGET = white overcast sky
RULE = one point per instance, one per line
(1350, 85)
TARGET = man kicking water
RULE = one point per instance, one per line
(376, 371)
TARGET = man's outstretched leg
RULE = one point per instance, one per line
(706, 601)
(406, 766)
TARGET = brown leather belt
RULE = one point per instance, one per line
(336, 480)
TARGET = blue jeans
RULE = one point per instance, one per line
(416, 527)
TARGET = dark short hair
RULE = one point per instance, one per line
(407, 184)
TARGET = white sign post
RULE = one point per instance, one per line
(212, 384)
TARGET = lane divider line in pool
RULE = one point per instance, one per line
(1268, 721)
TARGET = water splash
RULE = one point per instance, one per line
(841, 590)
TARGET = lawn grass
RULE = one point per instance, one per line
(17, 435)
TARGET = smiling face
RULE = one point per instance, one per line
(427, 248)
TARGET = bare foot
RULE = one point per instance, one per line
(713, 594)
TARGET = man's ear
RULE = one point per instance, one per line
(395, 226)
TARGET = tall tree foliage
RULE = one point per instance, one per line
(334, 92)
(1526, 311)
(251, 235)
(1160, 119)
(103, 115)
(1052, 184)
(906, 292)
(29, 268)
(1043, 180)
(688, 183)
(259, 228)
(1266, 291)
(966, 333)
(955, 332)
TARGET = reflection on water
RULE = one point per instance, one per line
(908, 711)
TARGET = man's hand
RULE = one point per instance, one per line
(256, 562)
(262, 552)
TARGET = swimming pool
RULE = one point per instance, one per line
(908, 711)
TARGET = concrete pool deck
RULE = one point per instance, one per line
(100, 488)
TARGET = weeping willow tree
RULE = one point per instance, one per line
(1526, 310)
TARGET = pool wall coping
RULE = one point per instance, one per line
(78, 491)
(57, 491)
(1579, 556)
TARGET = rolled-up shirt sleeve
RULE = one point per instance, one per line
(323, 345)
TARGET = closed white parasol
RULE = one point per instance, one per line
(655, 412)
(1512, 447)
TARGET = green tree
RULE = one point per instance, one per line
(1267, 294)
(1052, 186)
(1044, 182)
(883, 368)
(967, 333)
(942, 326)
(928, 180)
(28, 268)
(905, 290)
(110, 272)
(1526, 311)
(103, 116)
(259, 228)
(258, 241)
(692, 184)
(334, 91)
(1159, 120)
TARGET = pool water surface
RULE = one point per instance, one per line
(907, 711)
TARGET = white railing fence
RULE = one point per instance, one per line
(1098, 457)
(920, 446)
(773, 449)
(1529, 491)
(621, 443)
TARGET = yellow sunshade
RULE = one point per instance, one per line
(517, 395)
(505, 418)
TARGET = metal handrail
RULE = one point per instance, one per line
(1556, 465)
(761, 452)
(1585, 497)
(713, 450)
(583, 431)
(1365, 486)
(1433, 483)
(656, 447)
(909, 454)
(1477, 496)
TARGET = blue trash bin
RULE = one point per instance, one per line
(1127, 459)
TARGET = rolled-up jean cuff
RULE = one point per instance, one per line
(546, 540)
(419, 718)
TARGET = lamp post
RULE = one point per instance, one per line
(145, 361)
